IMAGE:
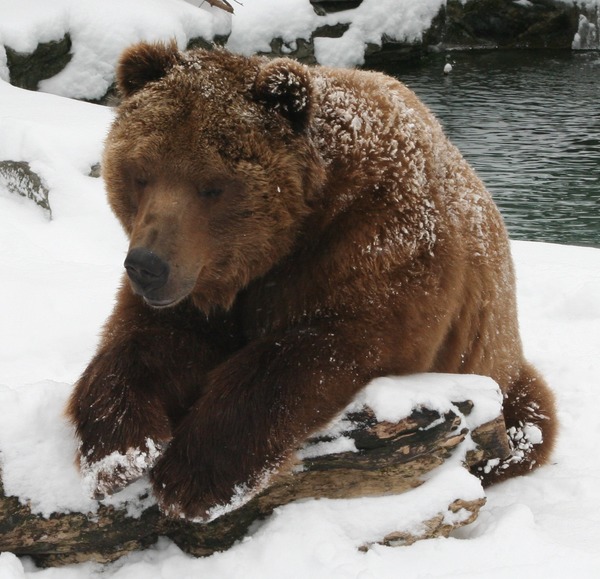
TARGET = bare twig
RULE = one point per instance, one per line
(222, 4)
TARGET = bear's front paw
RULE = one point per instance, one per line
(184, 490)
(116, 470)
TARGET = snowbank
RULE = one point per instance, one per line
(98, 37)
(256, 23)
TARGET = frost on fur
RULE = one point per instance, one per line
(117, 470)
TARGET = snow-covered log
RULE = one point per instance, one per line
(391, 439)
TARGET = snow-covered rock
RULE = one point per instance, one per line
(70, 47)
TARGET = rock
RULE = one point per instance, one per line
(304, 50)
(322, 7)
(17, 177)
(460, 24)
(477, 23)
(390, 53)
(47, 60)
(95, 170)
(498, 23)
(200, 42)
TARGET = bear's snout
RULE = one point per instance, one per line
(147, 271)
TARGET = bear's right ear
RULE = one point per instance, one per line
(286, 86)
(143, 63)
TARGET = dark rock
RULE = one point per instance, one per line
(390, 53)
(331, 30)
(484, 24)
(322, 7)
(17, 177)
(47, 60)
(95, 170)
(506, 24)
(200, 42)
(304, 50)
(301, 50)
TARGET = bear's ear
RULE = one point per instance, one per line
(286, 86)
(143, 63)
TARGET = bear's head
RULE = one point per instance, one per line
(210, 168)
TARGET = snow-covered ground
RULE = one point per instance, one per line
(57, 285)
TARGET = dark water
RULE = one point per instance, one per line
(529, 122)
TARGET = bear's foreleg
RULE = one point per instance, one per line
(256, 409)
(145, 375)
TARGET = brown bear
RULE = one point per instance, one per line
(294, 233)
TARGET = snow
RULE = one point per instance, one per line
(402, 20)
(98, 36)
(101, 29)
(129, 466)
(325, 447)
(435, 392)
(59, 277)
(256, 23)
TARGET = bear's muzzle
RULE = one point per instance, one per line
(148, 274)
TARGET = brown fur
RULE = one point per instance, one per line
(319, 231)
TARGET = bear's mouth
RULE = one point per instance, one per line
(160, 303)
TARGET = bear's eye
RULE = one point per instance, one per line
(210, 192)
(140, 182)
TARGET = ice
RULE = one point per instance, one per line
(586, 37)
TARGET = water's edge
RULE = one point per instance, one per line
(530, 126)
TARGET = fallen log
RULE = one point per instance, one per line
(361, 455)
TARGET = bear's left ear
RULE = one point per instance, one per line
(143, 63)
(286, 86)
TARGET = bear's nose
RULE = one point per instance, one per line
(146, 270)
